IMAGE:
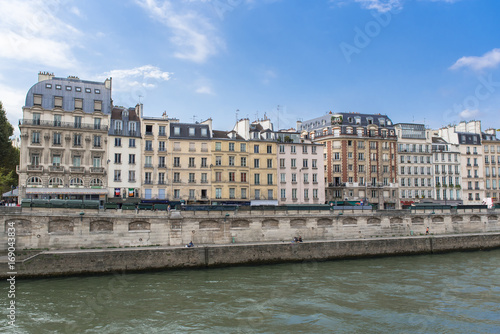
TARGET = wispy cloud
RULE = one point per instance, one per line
(469, 114)
(490, 59)
(204, 90)
(382, 6)
(147, 76)
(32, 31)
(194, 36)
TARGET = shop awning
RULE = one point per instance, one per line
(13, 193)
(66, 191)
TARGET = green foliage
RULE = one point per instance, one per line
(9, 155)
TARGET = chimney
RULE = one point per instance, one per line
(42, 76)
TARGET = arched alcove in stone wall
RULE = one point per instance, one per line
(350, 221)
(324, 222)
(101, 226)
(474, 218)
(374, 221)
(240, 223)
(396, 221)
(209, 225)
(417, 221)
(139, 226)
(297, 223)
(457, 219)
(438, 219)
(270, 224)
(22, 226)
(61, 226)
(492, 218)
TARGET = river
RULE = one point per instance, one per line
(448, 293)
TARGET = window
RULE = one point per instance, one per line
(257, 193)
(243, 193)
(243, 177)
(57, 138)
(306, 193)
(283, 178)
(204, 178)
(35, 137)
(131, 143)
(161, 131)
(191, 131)
(87, 90)
(131, 176)
(231, 193)
(218, 161)
(282, 148)
(231, 160)
(294, 193)
(218, 193)
(78, 122)
(257, 179)
(270, 193)
(177, 193)
(292, 149)
(177, 177)
(243, 147)
(118, 158)
(177, 162)
(293, 163)
(97, 91)
(149, 145)
(161, 146)
(243, 162)
(77, 160)
(191, 178)
(56, 160)
(269, 163)
(231, 146)
(218, 176)
(191, 162)
(118, 141)
(306, 178)
(270, 179)
(256, 149)
(177, 130)
(204, 132)
(78, 104)
(161, 162)
(77, 140)
(315, 178)
(304, 163)
(97, 123)
(256, 163)
(218, 146)
(269, 149)
(294, 178)
(231, 177)
(283, 193)
(131, 159)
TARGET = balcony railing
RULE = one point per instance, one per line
(71, 125)
(56, 169)
(162, 166)
(36, 168)
(97, 170)
(76, 169)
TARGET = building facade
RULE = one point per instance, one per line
(125, 155)
(64, 132)
(359, 157)
(415, 177)
(491, 151)
(447, 171)
(190, 159)
(300, 170)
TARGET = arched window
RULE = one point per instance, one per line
(77, 182)
(96, 183)
(55, 181)
(34, 181)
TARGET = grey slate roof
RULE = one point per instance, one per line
(184, 131)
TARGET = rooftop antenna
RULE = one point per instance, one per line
(256, 115)
(237, 110)
(194, 118)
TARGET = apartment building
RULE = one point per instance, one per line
(300, 169)
(447, 171)
(64, 130)
(467, 135)
(156, 165)
(491, 151)
(414, 157)
(359, 157)
(125, 155)
(230, 168)
(190, 160)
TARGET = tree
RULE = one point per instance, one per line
(9, 155)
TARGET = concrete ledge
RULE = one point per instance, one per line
(83, 262)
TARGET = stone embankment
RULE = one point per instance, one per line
(74, 242)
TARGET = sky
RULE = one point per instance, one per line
(425, 61)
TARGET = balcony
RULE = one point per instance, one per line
(148, 181)
(162, 166)
(148, 165)
(76, 169)
(96, 170)
(162, 134)
(177, 181)
(53, 124)
(162, 182)
(56, 169)
(204, 181)
(149, 133)
(192, 166)
(36, 168)
(191, 181)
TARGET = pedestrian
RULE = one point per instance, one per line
(427, 230)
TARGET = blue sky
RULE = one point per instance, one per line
(432, 61)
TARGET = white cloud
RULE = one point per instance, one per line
(490, 59)
(13, 102)
(31, 31)
(204, 90)
(380, 5)
(194, 36)
(469, 114)
(147, 76)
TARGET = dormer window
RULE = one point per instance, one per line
(78, 89)
(369, 120)
(37, 99)
(358, 120)
(191, 131)
(381, 121)
(97, 91)
(389, 122)
(88, 90)
(68, 88)
(177, 130)
(204, 132)
(349, 119)
(58, 87)
(48, 86)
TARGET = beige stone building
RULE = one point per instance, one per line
(189, 162)
(360, 157)
(64, 135)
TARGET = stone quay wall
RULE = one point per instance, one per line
(56, 229)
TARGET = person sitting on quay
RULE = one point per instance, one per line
(190, 244)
